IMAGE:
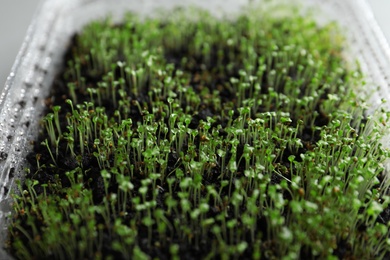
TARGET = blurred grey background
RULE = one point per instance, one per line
(15, 16)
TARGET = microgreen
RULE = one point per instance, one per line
(230, 138)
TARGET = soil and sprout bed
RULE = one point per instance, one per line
(205, 138)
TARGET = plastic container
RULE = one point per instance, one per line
(38, 61)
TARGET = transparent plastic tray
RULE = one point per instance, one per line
(55, 21)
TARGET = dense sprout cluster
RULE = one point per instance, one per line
(186, 138)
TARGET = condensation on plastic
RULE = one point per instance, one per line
(22, 99)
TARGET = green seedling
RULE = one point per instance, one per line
(216, 138)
